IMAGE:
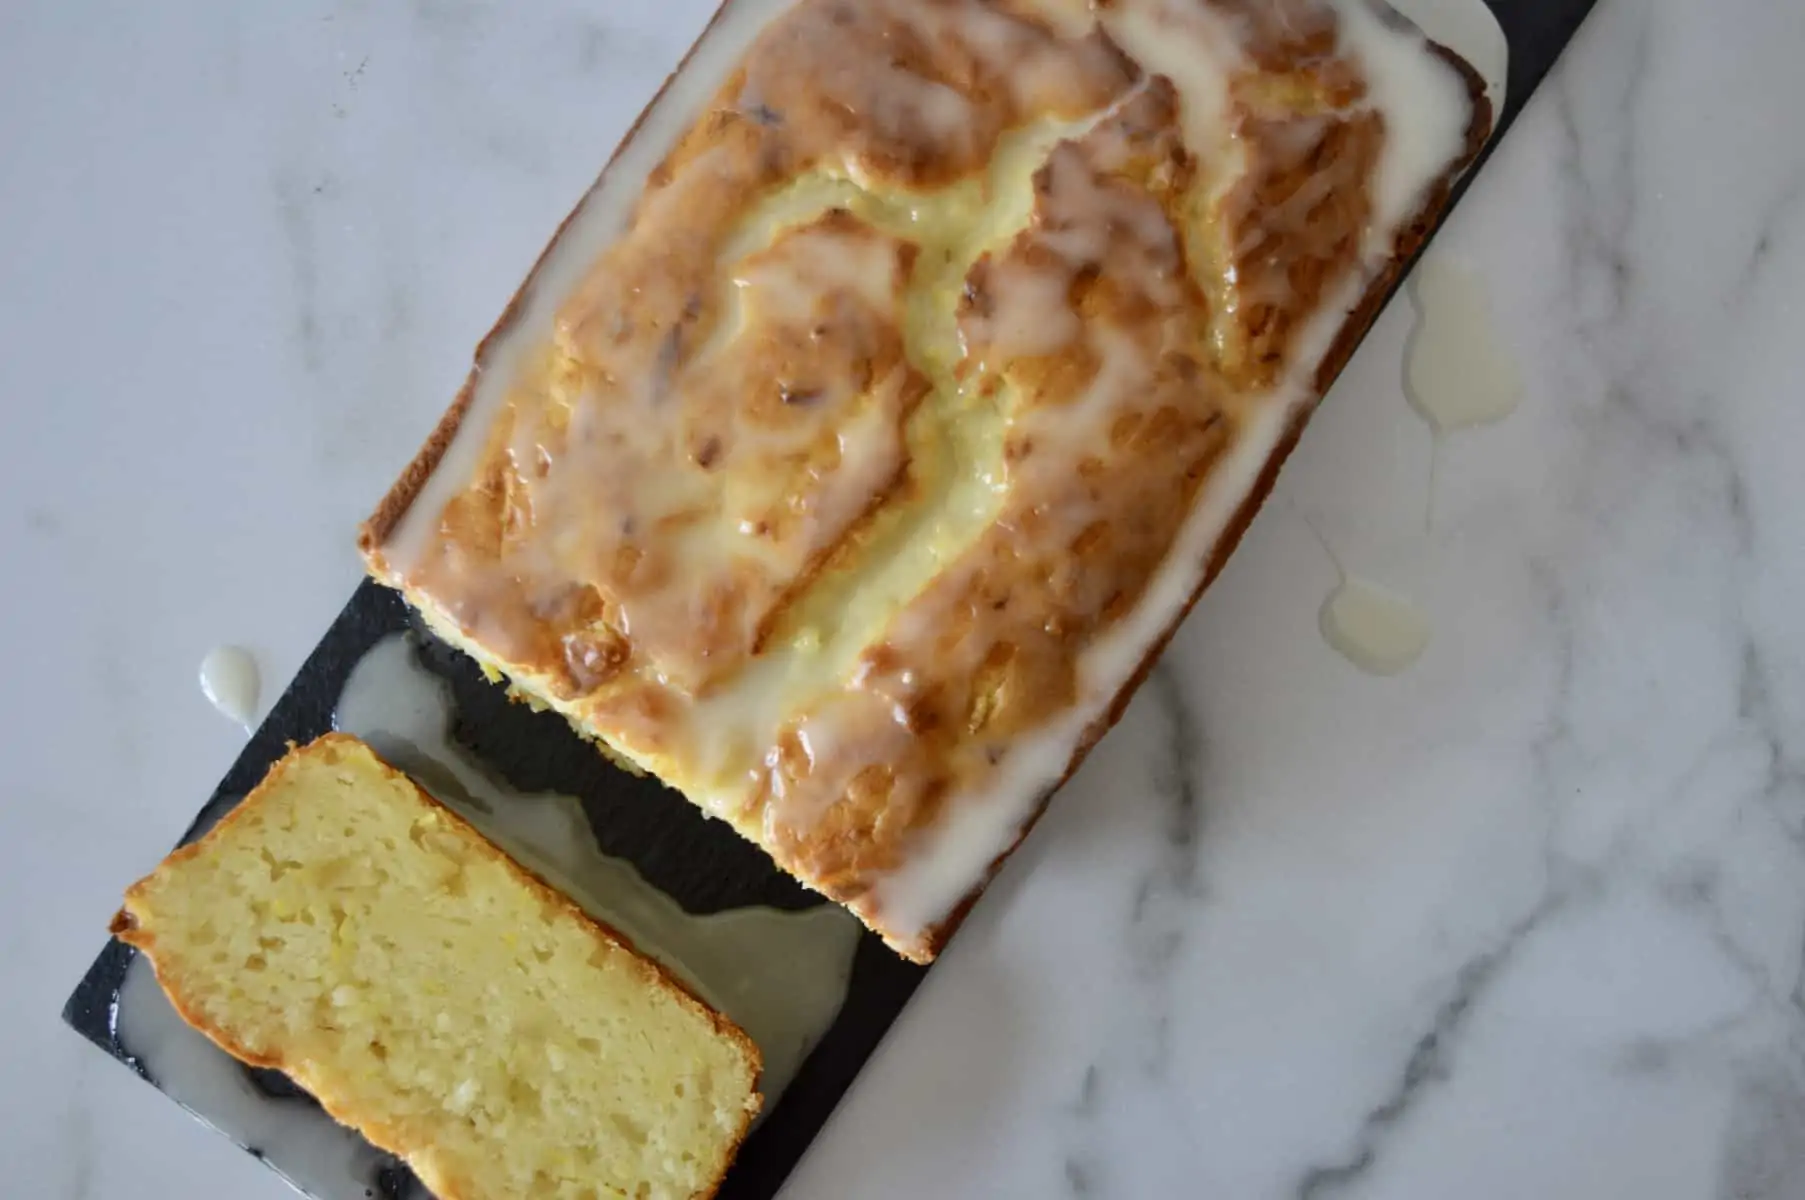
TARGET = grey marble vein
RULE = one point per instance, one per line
(1164, 902)
(1600, 162)
(294, 199)
(1082, 1166)
(1430, 1062)
(1761, 1159)
(1783, 779)
(1776, 224)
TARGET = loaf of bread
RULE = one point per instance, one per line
(860, 439)
(341, 926)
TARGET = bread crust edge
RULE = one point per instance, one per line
(126, 927)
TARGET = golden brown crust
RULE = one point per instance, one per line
(400, 497)
(126, 927)
(1409, 243)
(396, 501)
(870, 816)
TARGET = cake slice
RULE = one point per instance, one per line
(345, 928)
(862, 436)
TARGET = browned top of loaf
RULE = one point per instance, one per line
(776, 379)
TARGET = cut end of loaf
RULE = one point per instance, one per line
(345, 928)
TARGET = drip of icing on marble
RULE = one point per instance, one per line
(1456, 373)
(314, 1153)
(1373, 627)
(781, 976)
(231, 684)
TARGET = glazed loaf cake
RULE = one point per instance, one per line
(859, 440)
(343, 927)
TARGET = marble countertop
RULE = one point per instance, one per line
(1526, 920)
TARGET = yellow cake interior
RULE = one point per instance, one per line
(344, 928)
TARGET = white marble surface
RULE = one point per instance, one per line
(1524, 921)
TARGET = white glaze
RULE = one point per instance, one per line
(230, 681)
(598, 220)
(1457, 374)
(1376, 629)
(781, 976)
(1165, 37)
(299, 1141)
(1468, 28)
(1424, 108)
(1373, 627)
(1426, 115)
(1425, 112)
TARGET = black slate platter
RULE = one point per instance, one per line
(701, 863)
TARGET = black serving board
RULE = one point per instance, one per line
(701, 863)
